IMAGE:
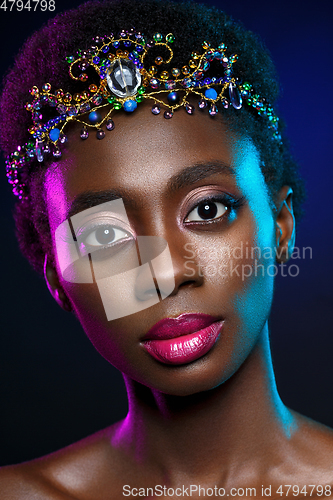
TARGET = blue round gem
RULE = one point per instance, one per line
(130, 105)
(54, 134)
(173, 97)
(94, 117)
(211, 94)
(96, 60)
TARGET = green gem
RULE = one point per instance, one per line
(70, 59)
(158, 37)
(111, 99)
(117, 105)
(170, 38)
(30, 145)
(246, 86)
(141, 90)
(139, 98)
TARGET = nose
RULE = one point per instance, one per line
(167, 265)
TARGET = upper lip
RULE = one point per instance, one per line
(169, 328)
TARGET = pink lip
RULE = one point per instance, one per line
(183, 339)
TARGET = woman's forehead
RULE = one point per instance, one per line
(146, 153)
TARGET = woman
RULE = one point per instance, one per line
(162, 235)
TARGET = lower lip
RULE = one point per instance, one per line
(186, 348)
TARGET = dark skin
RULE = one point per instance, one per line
(218, 420)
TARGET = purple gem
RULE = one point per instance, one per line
(72, 111)
(225, 103)
(213, 110)
(168, 115)
(39, 151)
(235, 97)
(97, 99)
(100, 134)
(189, 109)
(110, 124)
(170, 84)
(154, 83)
(57, 153)
(187, 83)
(84, 133)
(84, 65)
(197, 75)
(156, 109)
(202, 104)
(85, 107)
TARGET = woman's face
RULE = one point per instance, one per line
(196, 185)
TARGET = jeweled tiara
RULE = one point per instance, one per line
(116, 78)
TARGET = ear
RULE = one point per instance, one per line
(285, 225)
(54, 286)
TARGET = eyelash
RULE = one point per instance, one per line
(229, 202)
(232, 204)
(89, 231)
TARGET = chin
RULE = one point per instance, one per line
(202, 375)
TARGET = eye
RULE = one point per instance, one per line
(207, 210)
(103, 236)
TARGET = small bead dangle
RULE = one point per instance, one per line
(168, 115)
(156, 109)
(84, 134)
(100, 134)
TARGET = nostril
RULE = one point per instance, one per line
(188, 283)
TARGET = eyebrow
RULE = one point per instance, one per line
(187, 177)
(194, 173)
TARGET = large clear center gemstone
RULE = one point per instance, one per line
(123, 78)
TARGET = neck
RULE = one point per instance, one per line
(220, 429)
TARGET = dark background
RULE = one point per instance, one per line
(54, 387)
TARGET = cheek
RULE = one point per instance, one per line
(238, 269)
(104, 335)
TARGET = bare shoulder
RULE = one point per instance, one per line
(311, 451)
(84, 470)
(315, 436)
